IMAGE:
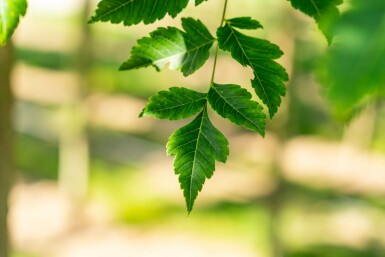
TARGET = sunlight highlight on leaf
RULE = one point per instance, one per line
(10, 12)
(187, 50)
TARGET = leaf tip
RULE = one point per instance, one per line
(329, 40)
(122, 67)
(272, 114)
(190, 206)
(92, 20)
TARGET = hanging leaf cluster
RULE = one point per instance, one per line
(199, 145)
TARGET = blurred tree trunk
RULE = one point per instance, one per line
(6, 150)
(275, 202)
(74, 152)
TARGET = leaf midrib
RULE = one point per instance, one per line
(260, 130)
(195, 158)
(316, 8)
(180, 105)
(114, 10)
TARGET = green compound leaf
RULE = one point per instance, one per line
(356, 60)
(258, 54)
(135, 11)
(324, 12)
(187, 50)
(10, 12)
(177, 103)
(234, 103)
(132, 12)
(196, 146)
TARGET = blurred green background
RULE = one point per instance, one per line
(94, 179)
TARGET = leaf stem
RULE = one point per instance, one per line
(217, 48)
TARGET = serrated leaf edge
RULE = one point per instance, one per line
(261, 130)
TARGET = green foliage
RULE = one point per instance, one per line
(196, 146)
(188, 50)
(135, 11)
(355, 64)
(353, 70)
(164, 46)
(324, 12)
(198, 43)
(353, 67)
(177, 103)
(10, 12)
(199, 144)
(258, 54)
(234, 103)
